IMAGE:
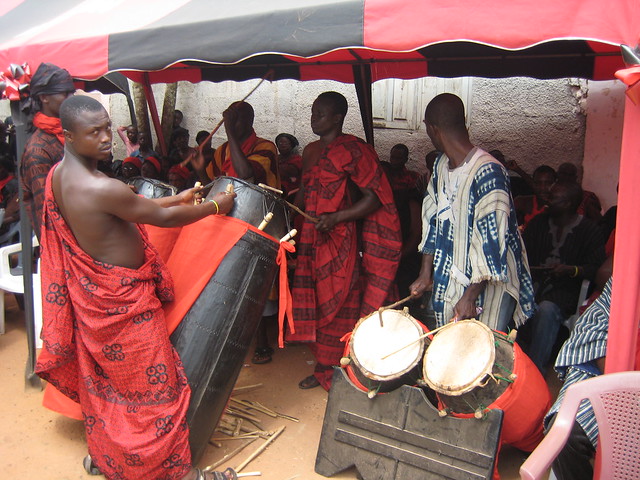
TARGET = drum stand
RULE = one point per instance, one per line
(400, 436)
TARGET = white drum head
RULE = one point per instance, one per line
(370, 342)
(459, 358)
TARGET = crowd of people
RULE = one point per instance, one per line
(510, 251)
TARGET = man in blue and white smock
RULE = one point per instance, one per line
(580, 358)
(473, 253)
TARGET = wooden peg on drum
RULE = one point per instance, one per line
(196, 185)
(273, 189)
(289, 235)
(265, 221)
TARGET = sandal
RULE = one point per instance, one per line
(262, 355)
(310, 382)
(228, 474)
(90, 467)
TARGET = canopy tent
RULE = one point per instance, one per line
(356, 41)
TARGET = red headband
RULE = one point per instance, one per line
(181, 171)
(155, 162)
(135, 160)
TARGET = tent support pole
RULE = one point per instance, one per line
(362, 81)
(625, 296)
(26, 232)
(151, 101)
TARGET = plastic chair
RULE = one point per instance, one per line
(11, 282)
(570, 322)
(615, 399)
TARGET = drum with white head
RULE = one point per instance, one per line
(375, 350)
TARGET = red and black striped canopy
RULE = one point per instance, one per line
(198, 40)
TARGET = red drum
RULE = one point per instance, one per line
(370, 341)
(474, 369)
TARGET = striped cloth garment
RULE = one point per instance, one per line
(576, 360)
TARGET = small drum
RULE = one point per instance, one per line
(473, 368)
(152, 188)
(252, 203)
(370, 342)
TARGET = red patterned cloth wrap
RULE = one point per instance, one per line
(106, 346)
(334, 286)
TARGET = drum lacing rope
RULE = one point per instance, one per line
(266, 208)
(504, 369)
(479, 407)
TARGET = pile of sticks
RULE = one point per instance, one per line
(241, 422)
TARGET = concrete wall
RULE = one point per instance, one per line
(533, 122)
(603, 137)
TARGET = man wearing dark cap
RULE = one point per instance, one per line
(50, 86)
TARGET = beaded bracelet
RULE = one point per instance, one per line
(217, 207)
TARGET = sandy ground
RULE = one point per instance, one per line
(38, 443)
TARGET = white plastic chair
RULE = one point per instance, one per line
(570, 322)
(615, 399)
(12, 283)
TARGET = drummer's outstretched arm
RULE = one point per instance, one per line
(424, 281)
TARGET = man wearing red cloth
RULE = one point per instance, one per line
(105, 339)
(244, 155)
(49, 87)
(347, 262)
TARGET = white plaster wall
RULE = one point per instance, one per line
(531, 121)
(603, 137)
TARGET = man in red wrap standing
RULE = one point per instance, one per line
(105, 339)
(347, 262)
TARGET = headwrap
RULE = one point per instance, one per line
(155, 162)
(180, 171)
(50, 79)
(135, 160)
(291, 138)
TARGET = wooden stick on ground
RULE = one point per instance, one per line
(230, 455)
(260, 449)
(246, 388)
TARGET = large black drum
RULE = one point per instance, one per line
(215, 335)
(152, 188)
(253, 203)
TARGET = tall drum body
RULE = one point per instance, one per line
(214, 336)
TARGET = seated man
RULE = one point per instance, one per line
(105, 338)
(563, 249)
(590, 205)
(528, 206)
(582, 357)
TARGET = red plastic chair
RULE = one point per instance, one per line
(616, 403)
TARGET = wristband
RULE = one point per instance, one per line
(575, 271)
(217, 207)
